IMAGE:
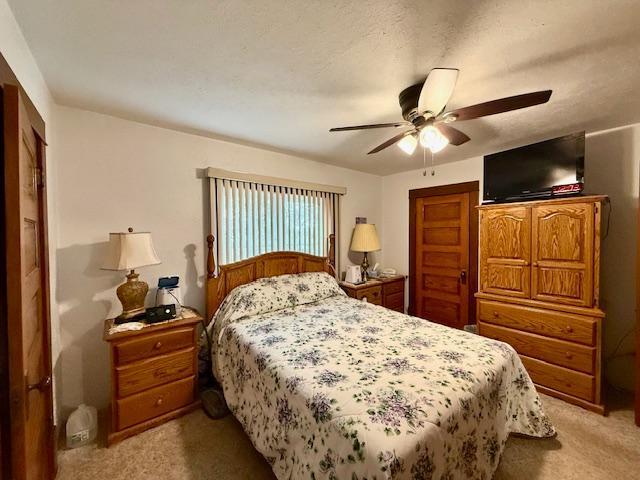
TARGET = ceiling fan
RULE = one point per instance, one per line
(423, 109)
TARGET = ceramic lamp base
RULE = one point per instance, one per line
(365, 267)
(132, 295)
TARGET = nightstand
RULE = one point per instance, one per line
(154, 373)
(387, 292)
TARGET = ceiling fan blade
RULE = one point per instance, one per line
(499, 106)
(437, 90)
(366, 127)
(390, 142)
(455, 136)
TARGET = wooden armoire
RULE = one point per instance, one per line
(538, 291)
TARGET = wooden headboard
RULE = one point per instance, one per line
(267, 265)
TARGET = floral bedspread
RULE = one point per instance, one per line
(328, 387)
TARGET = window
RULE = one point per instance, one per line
(252, 218)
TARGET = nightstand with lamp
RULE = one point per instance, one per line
(385, 291)
(154, 368)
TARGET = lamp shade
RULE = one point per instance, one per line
(365, 238)
(130, 250)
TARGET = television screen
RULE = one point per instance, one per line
(534, 170)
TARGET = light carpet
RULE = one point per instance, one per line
(588, 446)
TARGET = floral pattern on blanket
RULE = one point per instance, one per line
(342, 389)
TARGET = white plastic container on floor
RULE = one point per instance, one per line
(82, 426)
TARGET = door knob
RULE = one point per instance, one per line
(463, 276)
(41, 385)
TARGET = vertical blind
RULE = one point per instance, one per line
(253, 218)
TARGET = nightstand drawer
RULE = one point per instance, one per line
(152, 345)
(395, 301)
(394, 286)
(373, 295)
(155, 402)
(152, 372)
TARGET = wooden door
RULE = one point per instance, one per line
(27, 303)
(441, 283)
(562, 253)
(505, 242)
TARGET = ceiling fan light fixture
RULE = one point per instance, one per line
(431, 138)
(408, 144)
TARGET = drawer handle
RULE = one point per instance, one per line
(496, 314)
(568, 355)
(159, 402)
(157, 346)
(568, 329)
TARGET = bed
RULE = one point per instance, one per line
(329, 387)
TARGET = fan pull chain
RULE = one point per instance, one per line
(433, 166)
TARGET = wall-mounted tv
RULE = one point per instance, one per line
(545, 169)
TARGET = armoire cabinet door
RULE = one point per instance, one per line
(505, 241)
(562, 253)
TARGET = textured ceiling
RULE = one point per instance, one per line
(278, 74)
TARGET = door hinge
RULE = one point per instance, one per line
(41, 180)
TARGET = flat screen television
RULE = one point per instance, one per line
(545, 169)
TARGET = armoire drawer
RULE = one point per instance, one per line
(561, 379)
(565, 326)
(558, 352)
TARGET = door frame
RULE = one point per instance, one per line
(637, 393)
(465, 187)
(8, 465)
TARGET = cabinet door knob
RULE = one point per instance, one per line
(159, 402)
(157, 346)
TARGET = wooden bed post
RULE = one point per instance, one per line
(211, 261)
(211, 285)
(332, 253)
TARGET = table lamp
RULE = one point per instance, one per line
(365, 239)
(128, 251)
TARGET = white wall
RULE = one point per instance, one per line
(15, 51)
(612, 167)
(114, 174)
